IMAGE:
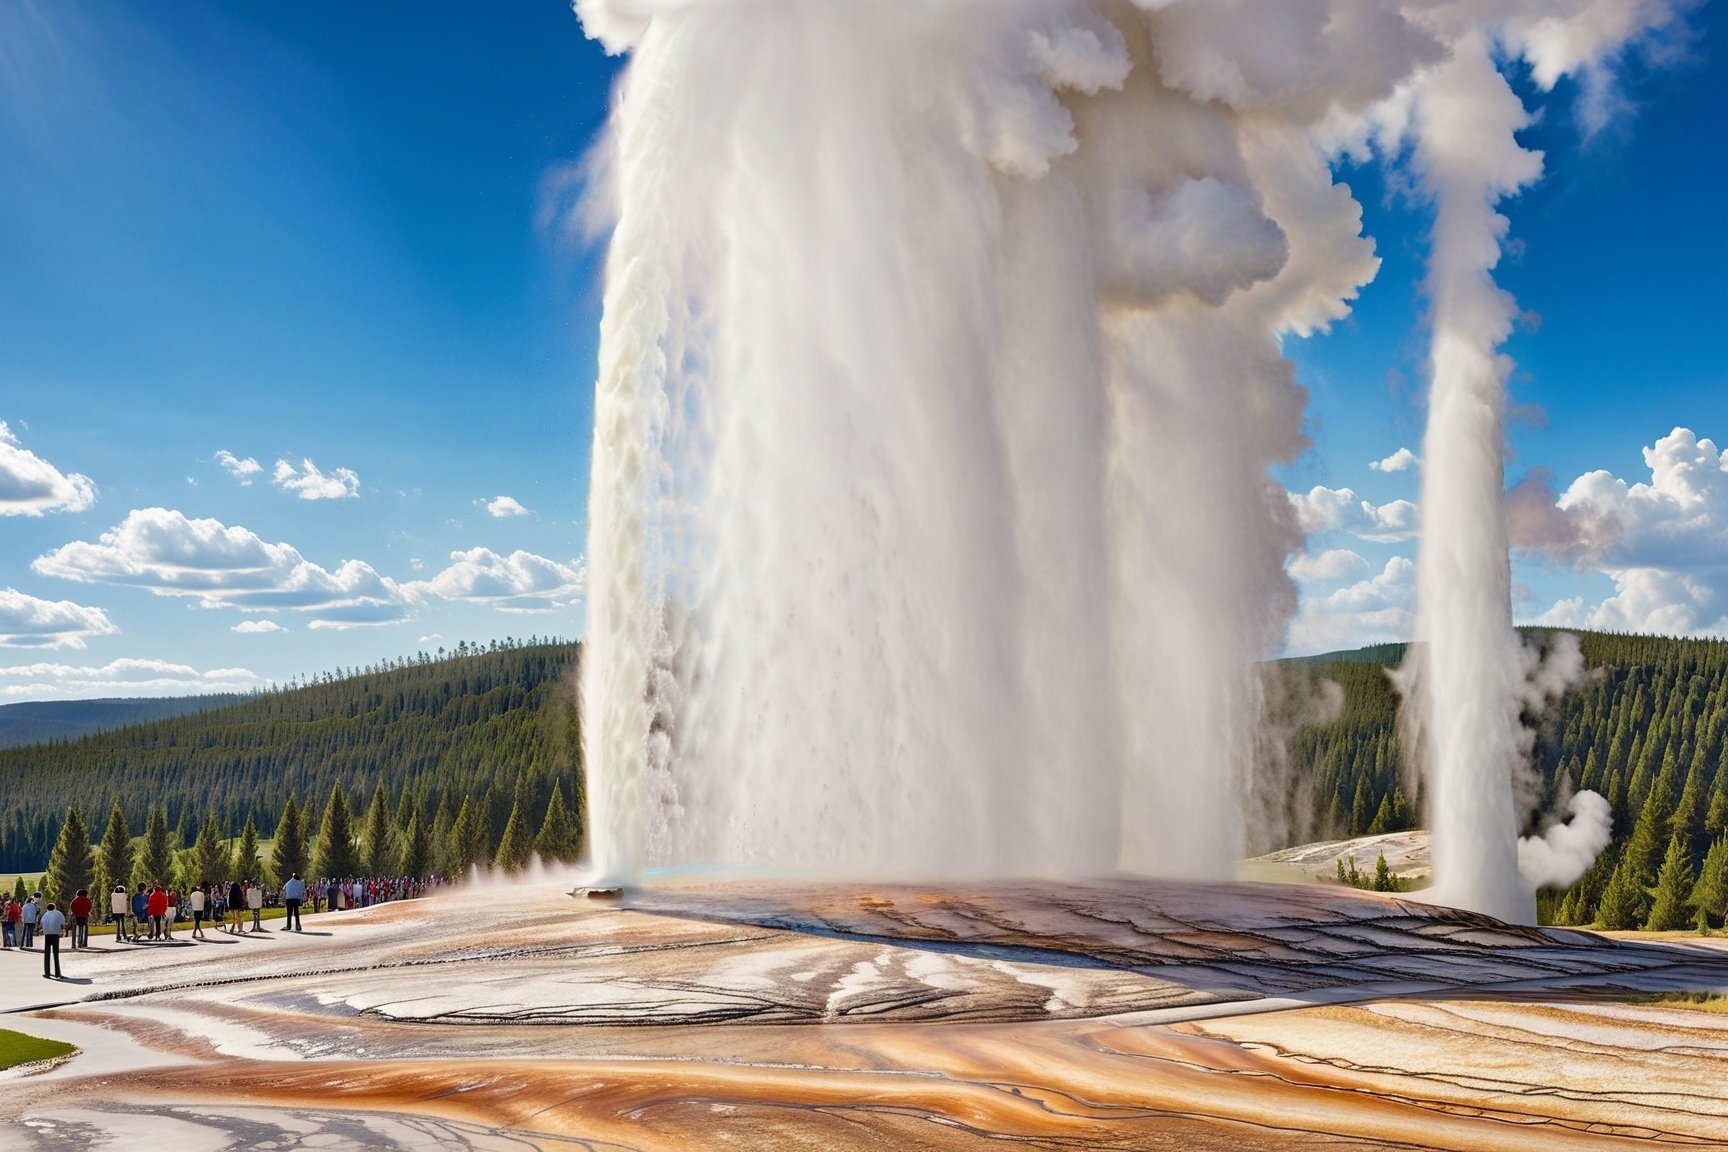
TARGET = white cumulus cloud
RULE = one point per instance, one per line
(519, 582)
(257, 627)
(171, 554)
(118, 678)
(30, 486)
(1663, 541)
(1331, 565)
(1400, 461)
(503, 507)
(241, 470)
(311, 484)
(29, 622)
(1372, 611)
(1322, 509)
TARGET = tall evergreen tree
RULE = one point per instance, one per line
(72, 864)
(467, 839)
(1710, 894)
(416, 859)
(247, 866)
(155, 862)
(516, 845)
(209, 861)
(558, 838)
(336, 854)
(289, 853)
(377, 856)
(114, 857)
(1623, 900)
(1668, 908)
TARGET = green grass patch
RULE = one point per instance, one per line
(1716, 1002)
(17, 1048)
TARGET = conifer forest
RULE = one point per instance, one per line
(427, 764)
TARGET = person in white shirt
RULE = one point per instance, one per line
(255, 901)
(52, 923)
(119, 905)
(200, 901)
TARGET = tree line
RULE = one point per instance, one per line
(485, 725)
(1645, 728)
(393, 837)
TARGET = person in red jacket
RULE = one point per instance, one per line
(157, 909)
(80, 909)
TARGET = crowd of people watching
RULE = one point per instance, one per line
(153, 911)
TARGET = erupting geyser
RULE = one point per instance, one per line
(930, 527)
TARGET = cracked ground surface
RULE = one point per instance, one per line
(1116, 1014)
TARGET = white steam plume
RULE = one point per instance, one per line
(1466, 671)
(931, 527)
(1566, 850)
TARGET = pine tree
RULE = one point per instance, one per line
(156, 858)
(558, 837)
(515, 846)
(289, 853)
(246, 863)
(1382, 875)
(1622, 904)
(335, 855)
(416, 861)
(1716, 822)
(1360, 812)
(209, 861)
(114, 857)
(1710, 894)
(1383, 818)
(1668, 909)
(467, 839)
(72, 864)
(377, 855)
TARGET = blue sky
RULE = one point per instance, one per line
(281, 321)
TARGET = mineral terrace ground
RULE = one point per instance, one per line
(1118, 1014)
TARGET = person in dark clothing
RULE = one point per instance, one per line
(293, 893)
(140, 912)
(80, 908)
(236, 902)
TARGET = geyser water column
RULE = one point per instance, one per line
(931, 529)
(1468, 668)
(1468, 675)
(930, 525)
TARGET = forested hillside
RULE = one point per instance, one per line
(1645, 728)
(37, 722)
(495, 725)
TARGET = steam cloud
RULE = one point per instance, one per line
(1566, 850)
(931, 529)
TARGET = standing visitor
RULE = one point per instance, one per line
(255, 901)
(200, 898)
(117, 908)
(10, 915)
(236, 901)
(53, 923)
(292, 893)
(140, 913)
(158, 909)
(32, 913)
(80, 909)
